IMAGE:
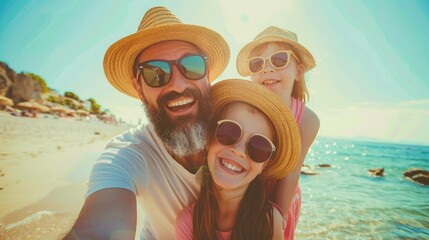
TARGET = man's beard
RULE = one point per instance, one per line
(183, 136)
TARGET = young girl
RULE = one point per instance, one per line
(253, 139)
(277, 61)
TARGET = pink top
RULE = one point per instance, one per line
(298, 109)
(184, 227)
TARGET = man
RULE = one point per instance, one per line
(168, 65)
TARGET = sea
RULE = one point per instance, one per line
(345, 202)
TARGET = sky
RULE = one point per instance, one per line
(370, 83)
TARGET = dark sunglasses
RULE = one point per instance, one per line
(157, 73)
(258, 147)
(278, 60)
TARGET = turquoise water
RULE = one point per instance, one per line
(344, 202)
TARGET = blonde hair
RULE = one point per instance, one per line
(299, 90)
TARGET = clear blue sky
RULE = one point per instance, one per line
(371, 80)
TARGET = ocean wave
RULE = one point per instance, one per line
(35, 216)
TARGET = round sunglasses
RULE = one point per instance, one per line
(278, 60)
(258, 147)
(158, 73)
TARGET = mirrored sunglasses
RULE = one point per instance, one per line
(158, 73)
(278, 60)
(258, 147)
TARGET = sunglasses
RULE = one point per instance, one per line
(278, 60)
(157, 73)
(258, 147)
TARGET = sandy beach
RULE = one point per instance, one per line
(44, 167)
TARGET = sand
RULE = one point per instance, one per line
(44, 167)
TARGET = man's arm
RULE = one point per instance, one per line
(106, 214)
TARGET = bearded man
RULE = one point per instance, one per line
(168, 65)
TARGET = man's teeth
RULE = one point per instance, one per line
(267, 82)
(180, 103)
(231, 167)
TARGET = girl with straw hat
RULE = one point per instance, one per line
(275, 60)
(253, 140)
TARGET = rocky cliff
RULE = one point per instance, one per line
(7, 78)
(19, 87)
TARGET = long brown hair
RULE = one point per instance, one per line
(254, 218)
(255, 215)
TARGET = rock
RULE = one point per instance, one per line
(417, 175)
(413, 171)
(421, 178)
(306, 170)
(7, 78)
(25, 89)
(324, 166)
(378, 172)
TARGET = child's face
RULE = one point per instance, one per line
(280, 81)
(230, 165)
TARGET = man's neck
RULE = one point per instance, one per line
(191, 163)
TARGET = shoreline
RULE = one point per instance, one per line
(20, 191)
(44, 166)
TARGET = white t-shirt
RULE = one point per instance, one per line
(137, 160)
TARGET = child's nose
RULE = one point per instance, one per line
(239, 148)
(268, 67)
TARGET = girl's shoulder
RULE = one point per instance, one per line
(279, 222)
(307, 119)
(310, 123)
(279, 215)
(310, 116)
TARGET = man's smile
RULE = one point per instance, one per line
(180, 104)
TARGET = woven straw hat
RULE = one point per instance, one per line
(157, 25)
(288, 139)
(274, 34)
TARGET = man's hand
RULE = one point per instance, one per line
(106, 214)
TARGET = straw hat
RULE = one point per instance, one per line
(288, 139)
(274, 34)
(157, 25)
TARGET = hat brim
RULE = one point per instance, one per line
(120, 56)
(305, 56)
(288, 139)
